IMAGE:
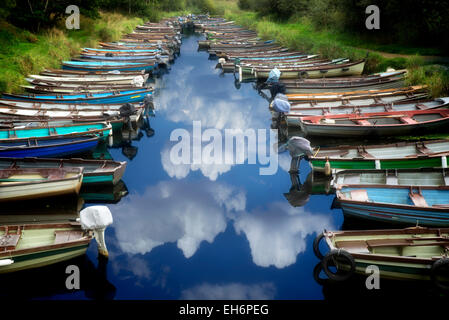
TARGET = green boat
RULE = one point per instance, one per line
(401, 155)
(413, 253)
(95, 171)
(29, 246)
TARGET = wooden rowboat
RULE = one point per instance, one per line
(295, 115)
(48, 146)
(131, 96)
(375, 124)
(26, 246)
(413, 253)
(331, 70)
(94, 171)
(432, 177)
(402, 155)
(423, 205)
(26, 184)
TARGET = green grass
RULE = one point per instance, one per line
(24, 53)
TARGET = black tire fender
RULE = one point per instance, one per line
(316, 246)
(436, 266)
(330, 259)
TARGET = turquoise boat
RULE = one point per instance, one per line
(115, 97)
(101, 129)
(411, 205)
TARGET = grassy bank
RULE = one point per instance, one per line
(25, 53)
(300, 35)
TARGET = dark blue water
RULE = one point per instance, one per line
(199, 231)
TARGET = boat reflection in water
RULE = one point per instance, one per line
(47, 210)
(299, 193)
(124, 139)
(50, 281)
(104, 194)
(355, 288)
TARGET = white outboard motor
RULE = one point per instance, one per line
(299, 146)
(221, 61)
(97, 218)
(274, 75)
(281, 104)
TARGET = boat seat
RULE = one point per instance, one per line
(62, 236)
(9, 241)
(392, 180)
(359, 246)
(388, 242)
(407, 120)
(363, 122)
(418, 199)
(359, 195)
(363, 153)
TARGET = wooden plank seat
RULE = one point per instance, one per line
(359, 195)
(62, 236)
(417, 198)
(407, 120)
(363, 122)
(9, 241)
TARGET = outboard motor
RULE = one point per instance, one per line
(126, 111)
(148, 102)
(277, 87)
(280, 106)
(97, 218)
(220, 63)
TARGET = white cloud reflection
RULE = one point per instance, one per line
(232, 291)
(174, 211)
(277, 233)
(189, 213)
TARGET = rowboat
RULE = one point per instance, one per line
(18, 117)
(401, 155)
(110, 79)
(48, 129)
(383, 81)
(375, 124)
(295, 115)
(394, 96)
(29, 246)
(423, 205)
(131, 96)
(330, 70)
(55, 106)
(25, 184)
(432, 177)
(48, 146)
(91, 73)
(94, 171)
(107, 66)
(67, 89)
(415, 253)
(352, 94)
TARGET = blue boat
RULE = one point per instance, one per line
(131, 96)
(411, 205)
(100, 129)
(107, 66)
(48, 146)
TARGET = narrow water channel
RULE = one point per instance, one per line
(199, 231)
